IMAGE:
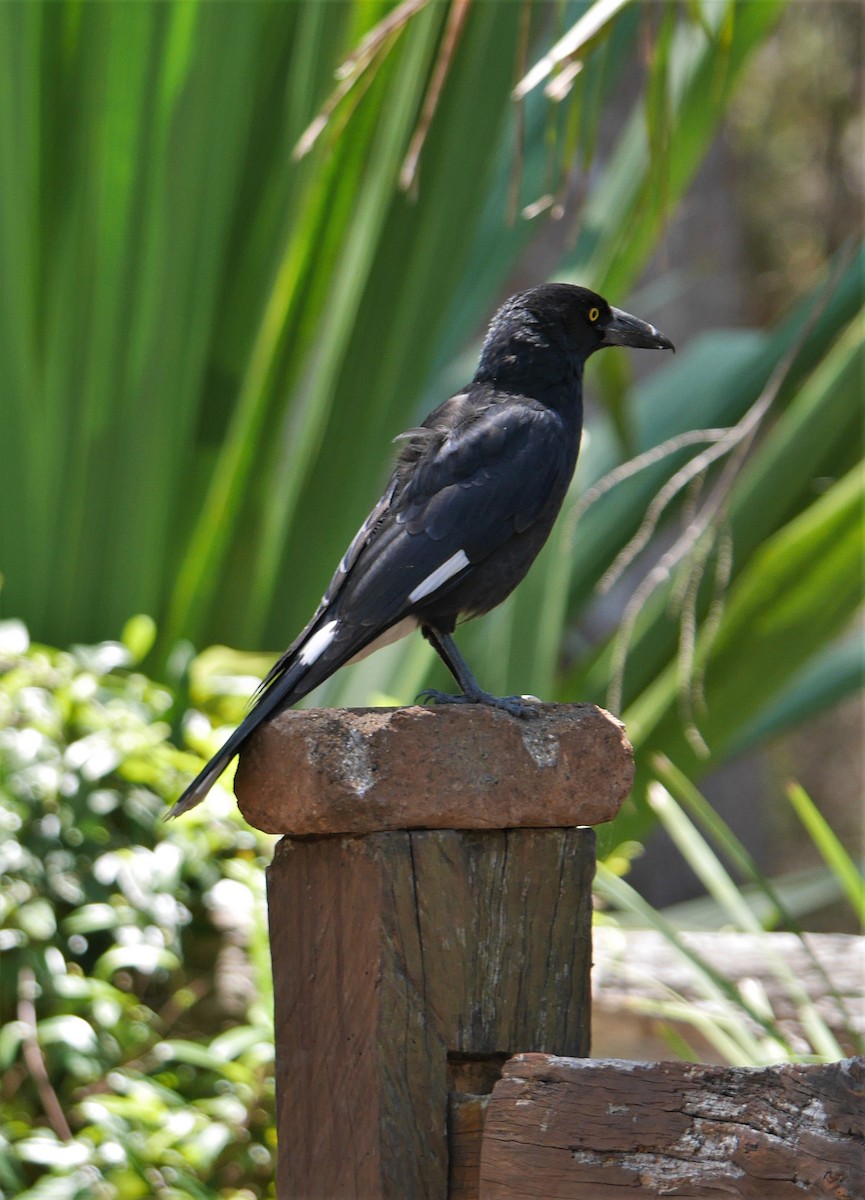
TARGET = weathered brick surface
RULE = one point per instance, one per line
(326, 771)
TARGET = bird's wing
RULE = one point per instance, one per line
(464, 496)
(455, 498)
(488, 479)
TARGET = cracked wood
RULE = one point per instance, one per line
(595, 1129)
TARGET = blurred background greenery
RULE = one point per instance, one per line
(243, 245)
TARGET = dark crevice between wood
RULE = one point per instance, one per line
(471, 1079)
(475, 1074)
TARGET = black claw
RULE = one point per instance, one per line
(517, 706)
(433, 696)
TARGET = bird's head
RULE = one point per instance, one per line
(587, 319)
(563, 321)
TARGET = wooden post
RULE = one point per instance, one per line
(430, 914)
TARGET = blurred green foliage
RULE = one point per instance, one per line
(207, 343)
(136, 1038)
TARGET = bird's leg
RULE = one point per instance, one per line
(472, 692)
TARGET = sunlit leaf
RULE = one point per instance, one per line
(827, 842)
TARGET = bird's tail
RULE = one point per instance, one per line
(323, 646)
(288, 688)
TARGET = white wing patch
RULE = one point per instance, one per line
(456, 563)
(318, 643)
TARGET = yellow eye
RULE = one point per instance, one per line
(594, 313)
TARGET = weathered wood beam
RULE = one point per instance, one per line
(602, 1129)
(636, 970)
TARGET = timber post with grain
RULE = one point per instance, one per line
(430, 916)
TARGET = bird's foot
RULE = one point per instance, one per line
(517, 706)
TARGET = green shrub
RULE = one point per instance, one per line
(136, 1040)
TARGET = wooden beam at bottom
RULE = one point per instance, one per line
(594, 1129)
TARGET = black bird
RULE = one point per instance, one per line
(472, 498)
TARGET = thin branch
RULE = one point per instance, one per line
(690, 508)
(371, 42)
(684, 544)
(515, 180)
(587, 27)
(560, 85)
(34, 1060)
(691, 672)
(647, 459)
(459, 10)
(737, 444)
(379, 39)
(692, 470)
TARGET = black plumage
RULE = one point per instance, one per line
(472, 499)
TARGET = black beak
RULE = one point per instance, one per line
(624, 330)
